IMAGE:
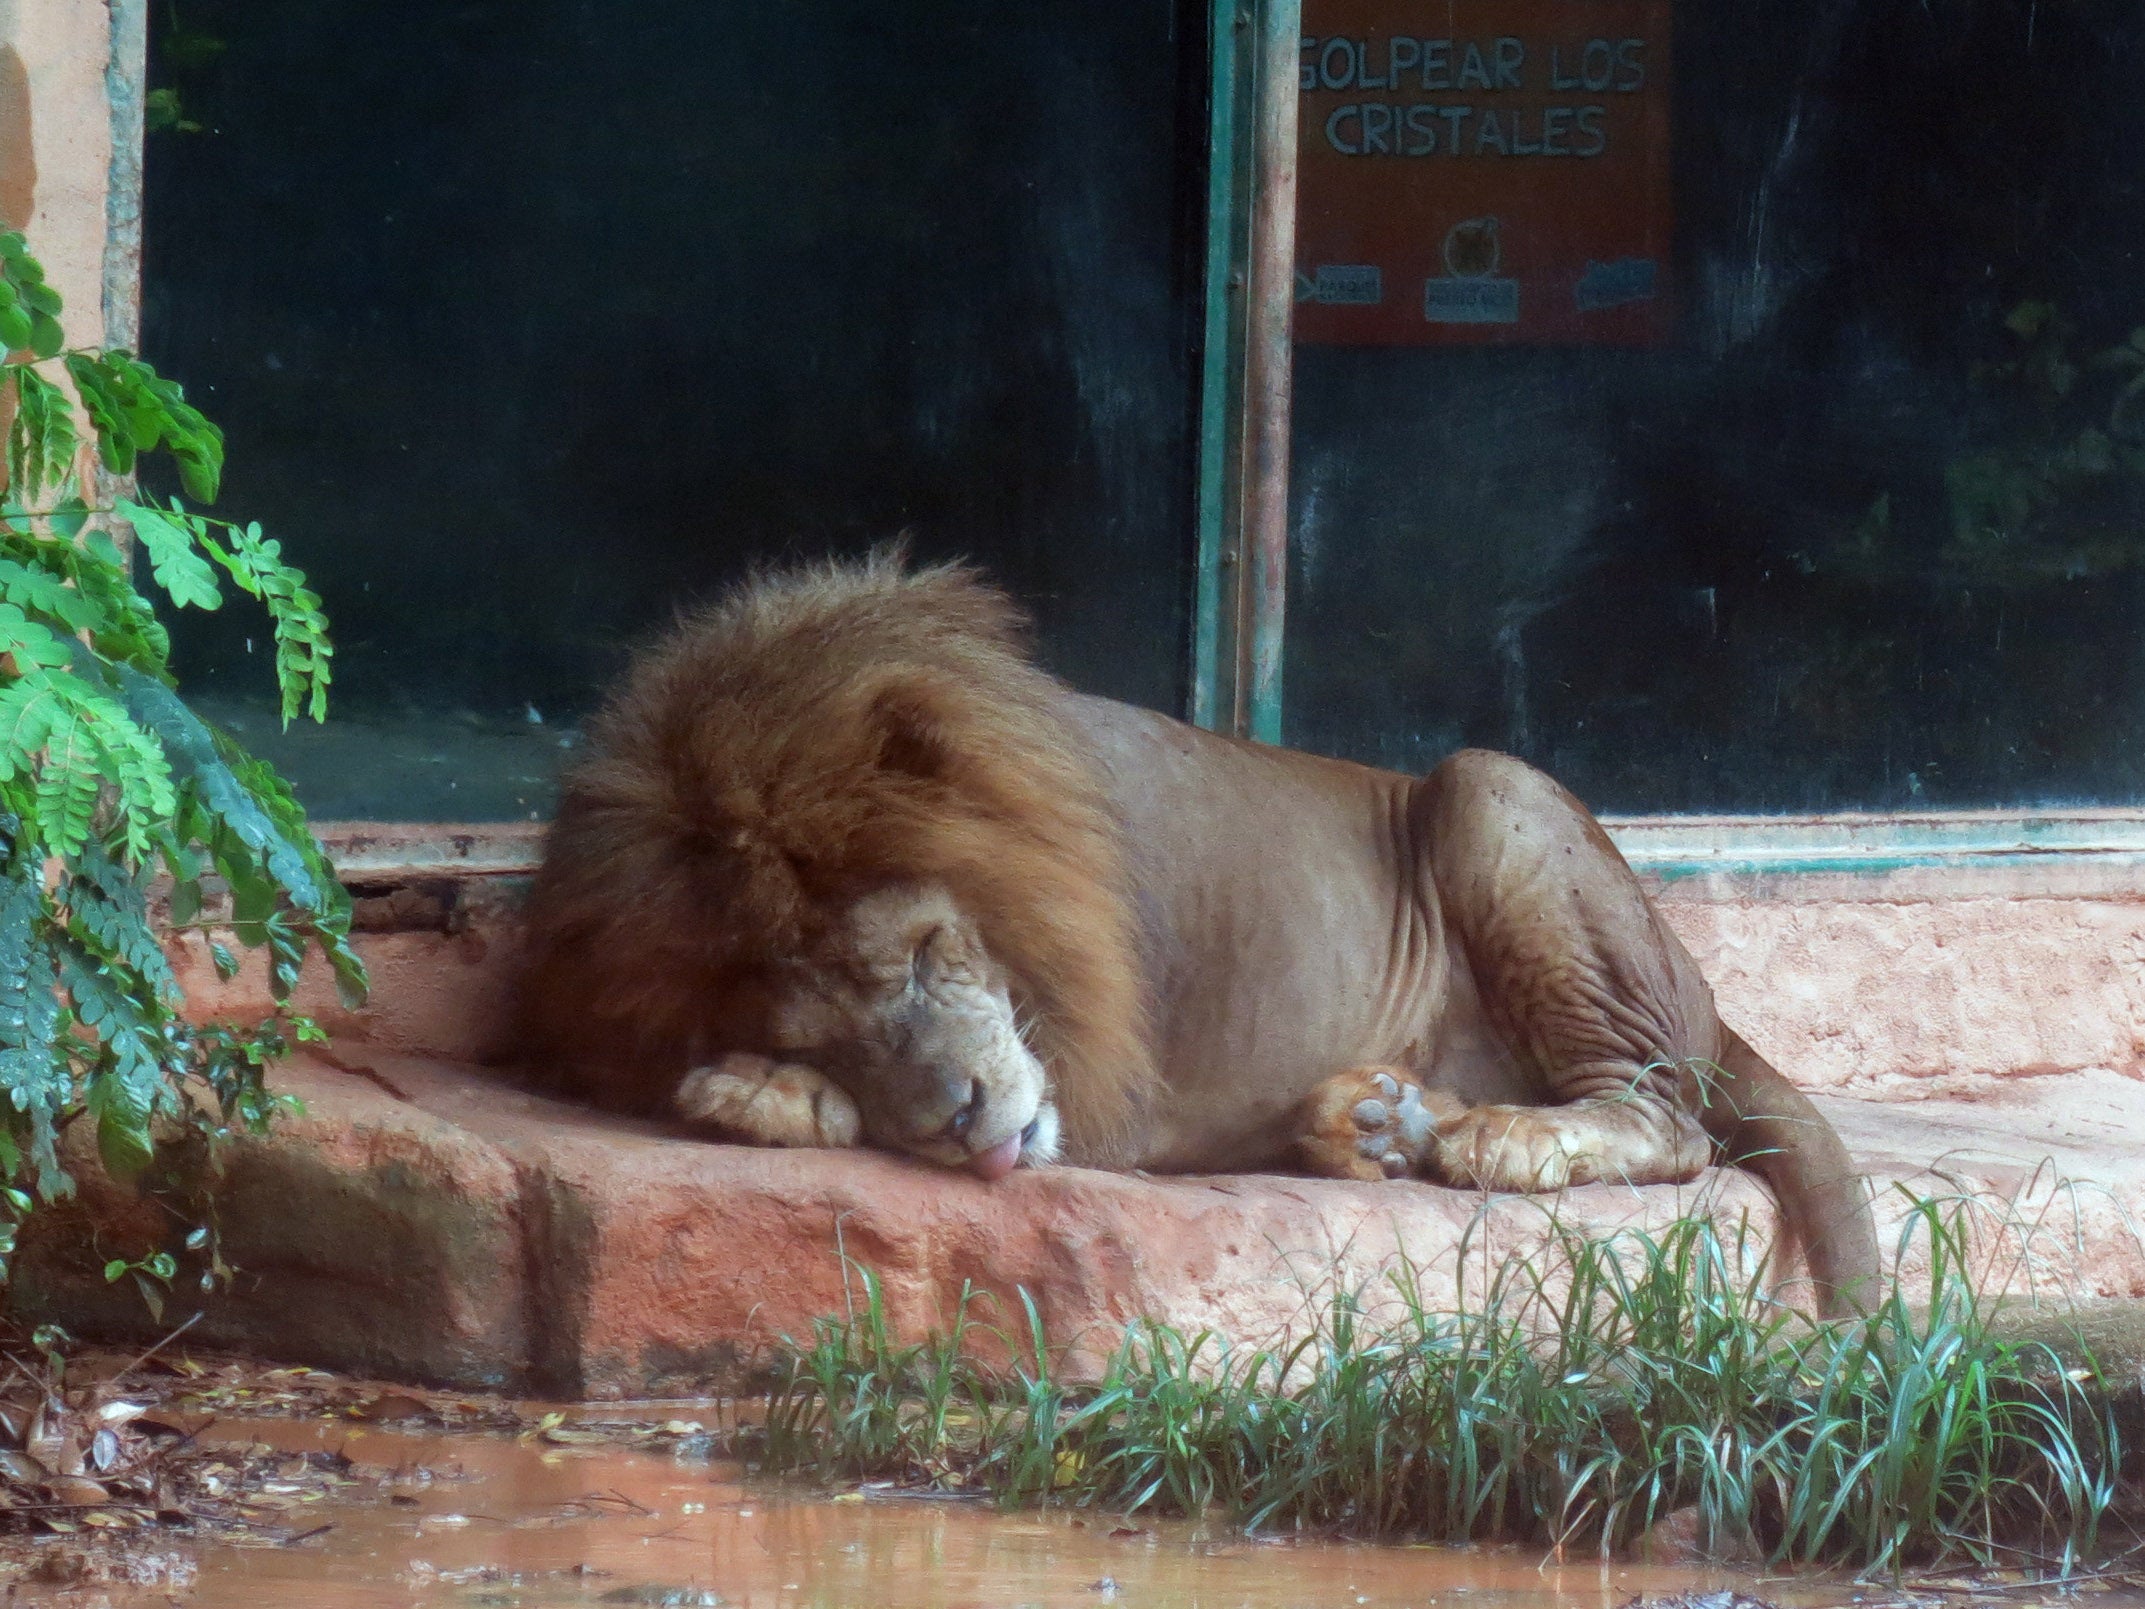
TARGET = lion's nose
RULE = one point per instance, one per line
(965, 1118)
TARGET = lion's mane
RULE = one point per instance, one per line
(816, 734)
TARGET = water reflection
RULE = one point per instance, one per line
(474, 1520)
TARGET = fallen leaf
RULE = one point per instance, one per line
(390, 1406)
(565, 1436)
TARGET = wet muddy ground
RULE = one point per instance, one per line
(294, 1488)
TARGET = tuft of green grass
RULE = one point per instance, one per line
(1580, 1397)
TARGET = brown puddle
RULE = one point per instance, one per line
(484, 1522)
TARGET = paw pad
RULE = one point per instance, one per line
(1372, 1123)
(1394, 1130)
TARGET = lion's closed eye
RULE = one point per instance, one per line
(928, 960)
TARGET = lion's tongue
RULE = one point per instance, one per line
(999, 1160)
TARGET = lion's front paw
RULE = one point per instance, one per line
(1372, 1123)
(765, 1102)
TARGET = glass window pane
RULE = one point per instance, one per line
(1727, 406)
(531, 321)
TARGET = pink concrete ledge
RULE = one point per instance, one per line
(421, 1222)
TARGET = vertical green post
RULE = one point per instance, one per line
(1220, 378)
(1269, 366)
(1241, 564)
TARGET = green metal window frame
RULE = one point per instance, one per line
(1240, 589)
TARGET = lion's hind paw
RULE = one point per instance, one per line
(1373, 1123)
(1617, 1140)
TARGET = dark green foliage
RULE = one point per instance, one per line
(1587, 1393)
(135, 410)
(109, 784)
(2055, 496)
(2088, 435)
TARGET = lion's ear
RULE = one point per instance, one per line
(911, 738)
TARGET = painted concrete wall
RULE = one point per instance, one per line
(58, 112)
(70, 169)
(1936, 996)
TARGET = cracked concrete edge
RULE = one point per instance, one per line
(422, 1223)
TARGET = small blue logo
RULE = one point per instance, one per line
(1628, 279)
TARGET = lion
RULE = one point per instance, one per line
(840, 865)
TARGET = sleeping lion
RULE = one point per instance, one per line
(841, 866)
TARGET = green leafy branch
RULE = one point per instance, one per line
(114, 795)
(176, 542)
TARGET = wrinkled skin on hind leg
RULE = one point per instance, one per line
(1581, 982)
(1377, 1123)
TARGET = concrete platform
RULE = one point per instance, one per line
(423, 1223)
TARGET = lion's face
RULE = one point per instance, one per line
(904, 1008)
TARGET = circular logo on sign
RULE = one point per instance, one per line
(1471, 249)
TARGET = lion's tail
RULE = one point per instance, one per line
(1763, 1123)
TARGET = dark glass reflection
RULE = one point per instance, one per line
(1865, 530)
(529, 322)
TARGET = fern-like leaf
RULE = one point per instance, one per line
(105, 774)
(90, 742)
(39, 592)
(128, 1048)
(303, 651)
(109, 910)
(67, 781)
(175, 559)
(135, 764)
(121, 624)
(133, 410)
(227, 804)
(272, 793)
(329, 927)
(29, 708)
(36, 1079)
(30, 644)
(41, 440)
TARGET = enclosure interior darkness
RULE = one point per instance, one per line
(530, 323)
(1860, 528)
